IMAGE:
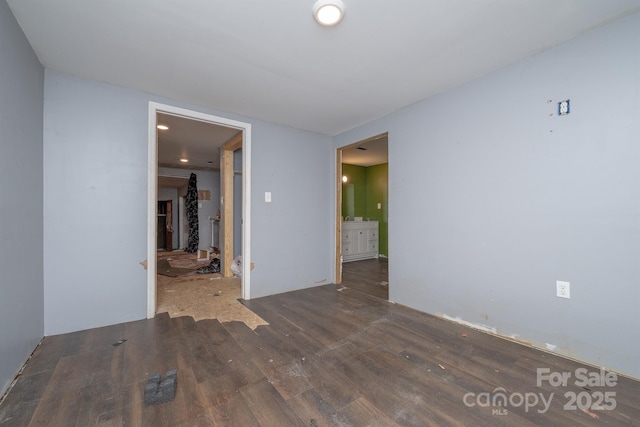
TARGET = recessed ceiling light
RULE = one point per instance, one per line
(328, 12)
(163, 127)
(183, 160)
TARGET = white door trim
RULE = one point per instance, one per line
(152, 194)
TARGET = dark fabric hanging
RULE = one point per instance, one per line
(191, 205)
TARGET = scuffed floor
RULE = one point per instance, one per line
(207, 297)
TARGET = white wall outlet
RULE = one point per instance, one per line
(564, 107)
(379, 205)
(267, 196)
(563, 289)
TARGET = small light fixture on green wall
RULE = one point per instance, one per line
(344, 178)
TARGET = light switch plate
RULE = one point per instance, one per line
(267, 196)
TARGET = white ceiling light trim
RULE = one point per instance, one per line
(328, 12)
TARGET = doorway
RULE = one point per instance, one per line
(362, 201)
(165, 225)
(152, 193)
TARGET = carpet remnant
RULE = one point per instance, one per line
(178, 264)
(165, 269)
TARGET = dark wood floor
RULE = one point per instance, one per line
(370, 276)
(328, 358)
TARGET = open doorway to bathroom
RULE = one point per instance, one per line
(362, 255)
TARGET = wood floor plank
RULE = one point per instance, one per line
(130, 404)
(363, 413)
(332, 385)
(268, 406)
(404, 404)
(19, 405)
(235, 412)
(290, 380)
(370, 276)
(222, 389)
(313, 409)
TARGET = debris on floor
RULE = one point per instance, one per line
(117, 343)
(213, 267)
(591, 414)
(158, 391)
(236, 266)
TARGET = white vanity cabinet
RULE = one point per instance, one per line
(359, 240)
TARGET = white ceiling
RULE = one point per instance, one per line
(371, 152)
(271, 61)
(198, 142)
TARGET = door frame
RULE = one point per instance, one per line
(338, 192)
(152, 193)
(226, 191)
(338, 236)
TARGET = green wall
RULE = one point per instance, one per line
(377, 191)
(364, 189)
(354, 191)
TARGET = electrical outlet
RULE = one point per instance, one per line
(563, 289)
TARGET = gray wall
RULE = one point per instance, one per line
(493, 197)
(21, 285)
(293, 236)
(207, 180)
(95, 174)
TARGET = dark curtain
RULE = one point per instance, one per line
(191, 205)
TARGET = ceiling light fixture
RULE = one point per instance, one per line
(163, 127)
(183, 160)
(328, 12)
